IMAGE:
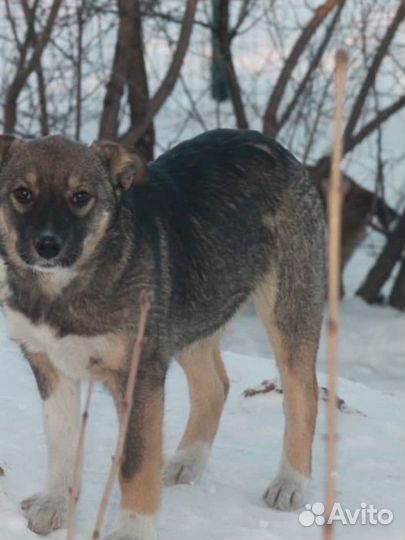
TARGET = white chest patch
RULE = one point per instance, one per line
(73, 355)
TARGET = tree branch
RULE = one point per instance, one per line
(31, 36)
(79, 67)
(372, 72)
(42, 97)
(371, 126)
(243, 13)
(321, 168)
(270, 115)
(311, 68)
(22, 74)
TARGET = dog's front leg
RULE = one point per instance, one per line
(60, 395)
(140, 475)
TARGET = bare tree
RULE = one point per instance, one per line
(27, 63)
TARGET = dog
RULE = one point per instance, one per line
(225, 217)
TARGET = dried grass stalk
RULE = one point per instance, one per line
(145, 303)
(334, 228)
(74, 488)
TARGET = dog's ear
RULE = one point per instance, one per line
(7, 144)
(124, 168)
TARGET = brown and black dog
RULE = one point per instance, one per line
(227, 216)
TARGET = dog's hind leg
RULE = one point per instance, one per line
(294, 334)
(208, 386)
(47, 511)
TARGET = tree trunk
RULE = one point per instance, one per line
(397, 296)
(128, 70)
(385, 263)
(108, 128)
(135, 133)
(230, 73)
(138, 91)
(219, 86)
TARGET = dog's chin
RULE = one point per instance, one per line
(52, 278)
(47, 269)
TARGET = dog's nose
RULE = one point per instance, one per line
(48, 246)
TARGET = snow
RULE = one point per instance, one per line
(226, 502)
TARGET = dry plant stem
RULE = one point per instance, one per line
(145, 303)
(74, 488)
(334, 228)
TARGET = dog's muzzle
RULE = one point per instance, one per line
(48, 246)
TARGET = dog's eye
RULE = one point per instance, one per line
(81, 198)
(23, 195)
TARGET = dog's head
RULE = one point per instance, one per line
(57, 198)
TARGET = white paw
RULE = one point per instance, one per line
(187, 466)
(133, 526)
(287, 491)
(45, 512)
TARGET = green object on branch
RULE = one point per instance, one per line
(219, 86)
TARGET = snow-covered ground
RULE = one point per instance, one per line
(226, 503)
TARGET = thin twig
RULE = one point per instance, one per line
(74, 488)
(145, 303)
(334, 222)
